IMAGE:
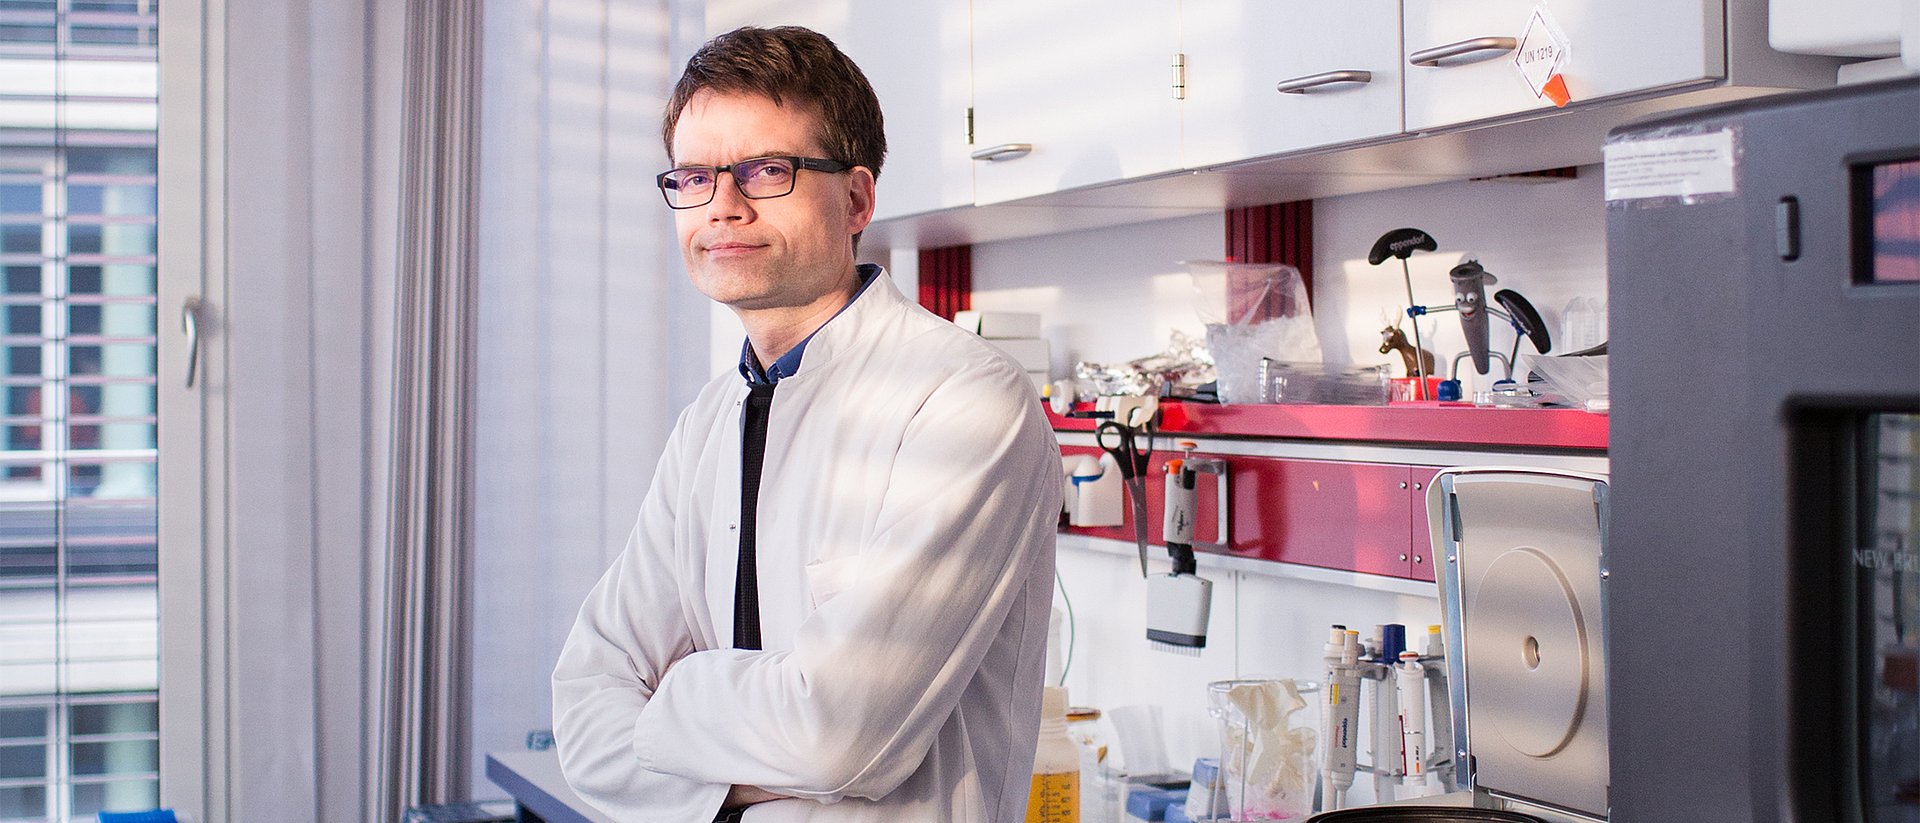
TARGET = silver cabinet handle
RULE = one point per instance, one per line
(1299, 85)
(190, 323)
(1004, 151)
(1433, 56)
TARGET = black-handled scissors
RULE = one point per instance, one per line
(1125, 447)
(1128, 450)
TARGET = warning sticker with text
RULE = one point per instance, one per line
(1684, 166)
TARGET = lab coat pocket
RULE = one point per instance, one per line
(826, 578)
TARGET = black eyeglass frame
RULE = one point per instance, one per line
(820, 164)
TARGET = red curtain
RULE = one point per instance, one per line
(1277, 233)
(946, 280)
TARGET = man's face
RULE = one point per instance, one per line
(780, 252)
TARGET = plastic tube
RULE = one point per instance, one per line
(1386, 720)
(1410, 677)
(1342, 715)
(1440, 709)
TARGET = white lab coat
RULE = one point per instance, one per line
(905, 550)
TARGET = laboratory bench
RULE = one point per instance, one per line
(540, 793)
(1431, 423)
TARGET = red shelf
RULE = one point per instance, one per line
(1428, 423)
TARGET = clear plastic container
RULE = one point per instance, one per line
(1268, 742)
(1327, 385)
(1580, 382)
(1103, 792)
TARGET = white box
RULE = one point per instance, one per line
(1848, 28)
(1030, 352)
(998, 324)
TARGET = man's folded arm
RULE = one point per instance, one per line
(630, 630)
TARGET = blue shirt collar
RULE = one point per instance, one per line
(789, 363)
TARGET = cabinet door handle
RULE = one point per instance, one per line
(1403, 558)
(1433, 56)
(1299, 85)
(190, 323)
(1004, 151)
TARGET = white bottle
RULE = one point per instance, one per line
(1055, 796)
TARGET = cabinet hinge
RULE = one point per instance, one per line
(969, 125)
(1179, 76)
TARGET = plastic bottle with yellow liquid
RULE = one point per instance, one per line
(1055, 797)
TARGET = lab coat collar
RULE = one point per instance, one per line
(789, 364)
(878, 302)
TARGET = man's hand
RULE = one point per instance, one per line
(748, 795)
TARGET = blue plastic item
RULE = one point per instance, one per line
(1393, 641)
(1206, 782)
(1148, 803)
(150, 816)
(1177, 813)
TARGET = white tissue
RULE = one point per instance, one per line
(1269, 768)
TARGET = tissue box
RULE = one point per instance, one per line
(998, 323)
(1207, 799)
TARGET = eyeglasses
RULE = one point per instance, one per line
(690, 187)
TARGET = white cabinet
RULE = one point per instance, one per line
(1614, 47)
(917, 57)
(1073, 93)
(1341, 62)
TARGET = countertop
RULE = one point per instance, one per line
(1423, 423)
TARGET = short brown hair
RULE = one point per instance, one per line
(793, 66)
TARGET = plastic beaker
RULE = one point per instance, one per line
(1267, 748)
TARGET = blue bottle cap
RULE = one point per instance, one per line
(1393, 641)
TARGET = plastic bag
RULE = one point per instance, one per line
(1580, 382)
(1253, 311)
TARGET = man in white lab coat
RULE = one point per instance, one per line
(862, 636)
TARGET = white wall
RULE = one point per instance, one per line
(1115, 294)
(1545, 240)
(1261, 626)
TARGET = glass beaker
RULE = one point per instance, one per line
(1267, 748)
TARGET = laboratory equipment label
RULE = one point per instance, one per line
(1685, 166)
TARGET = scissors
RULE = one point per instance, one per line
(1128, 451)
